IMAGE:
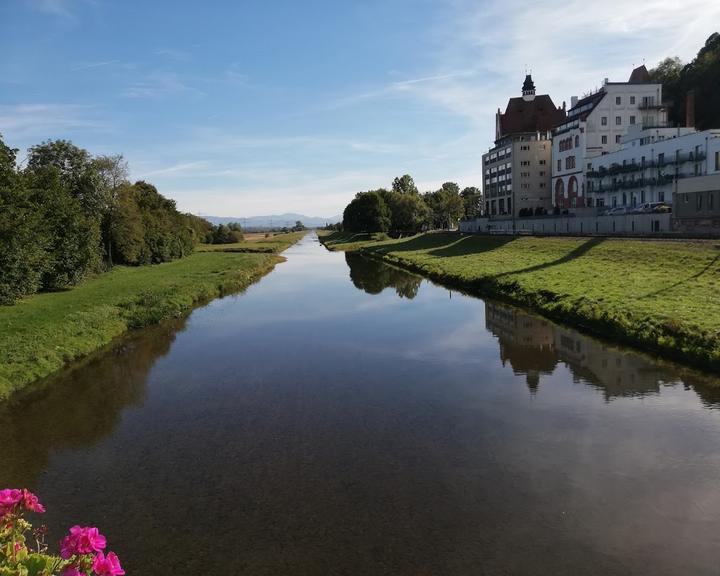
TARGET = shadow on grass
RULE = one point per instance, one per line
(472, 245)
(581, 250)
(695, 276)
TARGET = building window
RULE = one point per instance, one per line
(525, 163)
(632, 99)
(542, 184)
(618, 100)
(618, 120)
(577, 141)
(632, 119)
(524, 147)
(711, 200)
(559, 165)
(717, 160)
(642, 196)
(661, 196)
(604, 139)
(617, 139)
(698, 202)
(603, 120)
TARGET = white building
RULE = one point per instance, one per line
(649, 164)
(596, 125)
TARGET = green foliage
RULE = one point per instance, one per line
(702, 75)
(367, 213)
(471, 201)
(404, 185)
(227, 234)
(446, 206)
(67, 212)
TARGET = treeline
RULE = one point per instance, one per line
(403, 210)
(702, 76)
(68, 214)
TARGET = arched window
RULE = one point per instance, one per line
(559, 193)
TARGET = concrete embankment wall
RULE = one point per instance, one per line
(622, 225)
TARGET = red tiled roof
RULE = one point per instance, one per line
(640, 75)
(539, 114)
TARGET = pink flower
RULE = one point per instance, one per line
(9, 497)
(71, 571)
(82, 540)
(109, 566)
(31, 502)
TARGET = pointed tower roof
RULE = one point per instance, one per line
(528, 88)
(640, 75)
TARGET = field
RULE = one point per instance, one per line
(256, 243)
(662, 295)
(44, 332)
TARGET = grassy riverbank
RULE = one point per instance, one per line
(658, 295)
(44, 332)
(256, 243)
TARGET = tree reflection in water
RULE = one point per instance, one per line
(373, 276)
(71, 412)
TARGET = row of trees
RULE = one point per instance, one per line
(403, 210)
(702, 76)
(68, 214)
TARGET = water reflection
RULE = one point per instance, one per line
(534, 346)
(373, 277)
(78, 412)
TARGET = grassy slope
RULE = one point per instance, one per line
(42, 333)
(662, 295)
(257, 243)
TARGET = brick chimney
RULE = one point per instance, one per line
(690, 109)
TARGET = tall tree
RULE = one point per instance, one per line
(404, 185)
(367, 213)
(471, 201)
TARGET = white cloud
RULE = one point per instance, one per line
(23, 122)
(160, 85)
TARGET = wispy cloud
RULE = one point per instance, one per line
(90, 65)
(160, 85)
(62, 8)
(21, 122)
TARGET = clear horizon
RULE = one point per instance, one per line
(264, 108)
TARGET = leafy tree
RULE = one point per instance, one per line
(702, 76)
(409, 214)
(127, 231)
(446, 205)
(22, 255)
(367, 213)
(471, 201)
(404, 185)
(72, 237)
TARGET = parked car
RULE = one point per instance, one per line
(649, 207)
(617, 211)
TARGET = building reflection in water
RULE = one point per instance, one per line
(533, 346)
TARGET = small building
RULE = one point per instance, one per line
(650, 164)
(696, 208)
(516, 170)
(595, 125)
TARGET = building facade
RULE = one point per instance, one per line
(595, 125)
(650, 164)
(516, 170)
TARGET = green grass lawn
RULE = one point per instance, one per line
(42, 333)
(270, 245)
(348, 241)
(662, 295)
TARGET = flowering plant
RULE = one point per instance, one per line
(81, 551)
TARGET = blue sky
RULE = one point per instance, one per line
(241, 108)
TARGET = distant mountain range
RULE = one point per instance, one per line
(274, 220)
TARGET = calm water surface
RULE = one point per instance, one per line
(345, 417)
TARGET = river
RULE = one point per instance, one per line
(346, 417)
